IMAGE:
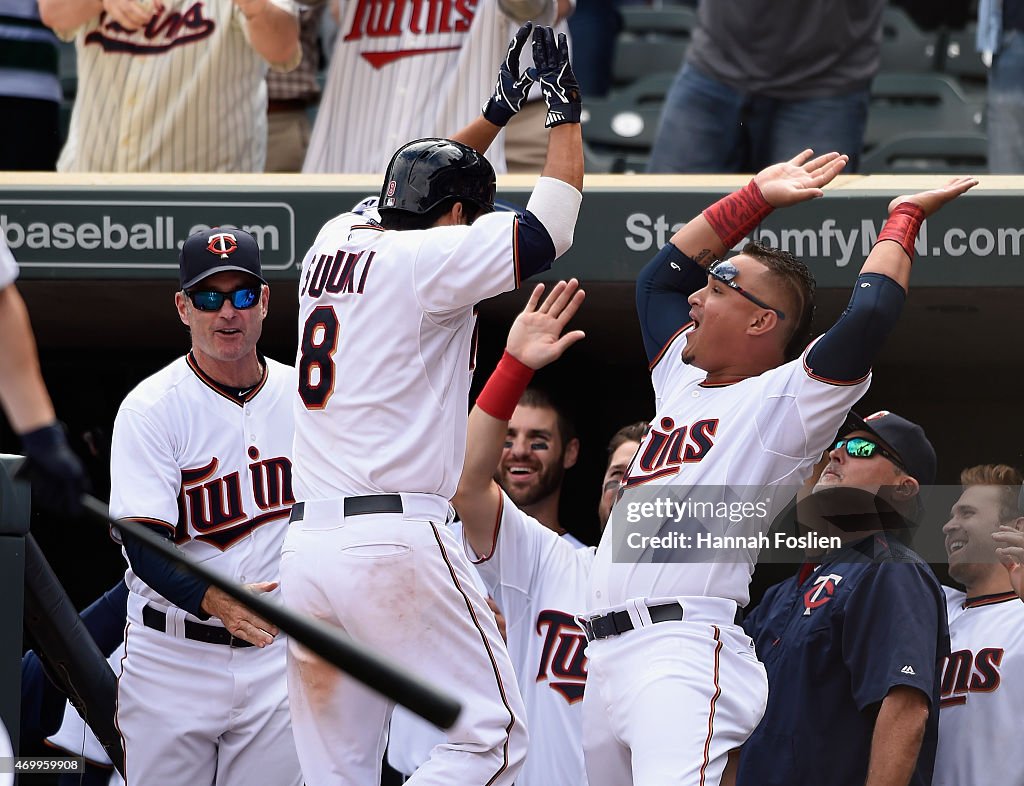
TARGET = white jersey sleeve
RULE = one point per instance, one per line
(142, 459)
(8, 267)
(459, 266)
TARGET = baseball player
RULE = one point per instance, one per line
(201, 454)
(433, 60)
(172, 85)
(674, 684)
(58, 479)
(852, 643)
(386, 323)
(983, 677)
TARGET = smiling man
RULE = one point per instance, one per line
(983, 677)
(201, 454)
(540, 445)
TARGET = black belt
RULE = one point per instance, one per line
(156, 619)
(359, 506)
(616, 622)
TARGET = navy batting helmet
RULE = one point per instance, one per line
(424, 173)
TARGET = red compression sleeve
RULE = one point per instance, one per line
(903, 226)
(733, 217)
(505, 387)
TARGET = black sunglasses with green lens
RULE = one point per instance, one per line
(211, 300)
(858, 447)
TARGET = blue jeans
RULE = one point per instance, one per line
(706, 126)
(1005, 119)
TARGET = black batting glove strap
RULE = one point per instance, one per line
(557, 80)
(58, 479)
(512, 88)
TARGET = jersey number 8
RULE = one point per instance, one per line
(316, 366)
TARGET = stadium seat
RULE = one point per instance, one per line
(962, 59)
(652, 40)
(928, 152)
(908, 103)
(905, 46)
(621, 128)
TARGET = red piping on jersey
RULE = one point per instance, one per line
(836, 382)
(989, 600)
(661, 353)
(217, 387)
(117, 704)
(144, 521)
(375, 227)
(515, 249)
(490, 655)
(497, 527)
(714, 700)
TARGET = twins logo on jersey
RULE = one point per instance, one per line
(965, 672)
(665, 450)
(161, 33)
(213, 506)
(384, 19)
(562, 660)
(821, 593)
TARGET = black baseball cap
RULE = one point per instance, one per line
(216, 250)
(900, 436)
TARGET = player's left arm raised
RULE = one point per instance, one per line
(845, 353)
(273, 31)
(534, 341)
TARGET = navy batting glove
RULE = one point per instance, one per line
(58, 479)
(557, 81)
(511, 89)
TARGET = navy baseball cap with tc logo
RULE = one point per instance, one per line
(215, 251)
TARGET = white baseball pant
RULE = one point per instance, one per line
(667, 701)
(397, 582)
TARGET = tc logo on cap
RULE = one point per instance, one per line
(223, 244)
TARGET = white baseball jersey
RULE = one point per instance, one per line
(403, 71)
(211, 469)
(764, 432)
(8, 266)
(539, 581)
(386, 335)
(186, 93)
(982, 691)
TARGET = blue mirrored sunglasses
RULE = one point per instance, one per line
(726, 272)
(211, 300)
(858, 447)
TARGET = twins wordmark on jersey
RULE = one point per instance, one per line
(666, 449)
(390, 19)
(170, 28)
(212, 505)
(563, 660)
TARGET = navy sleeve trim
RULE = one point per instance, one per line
(533, 250)
(172, 581)
(663, 289)
(844, 354)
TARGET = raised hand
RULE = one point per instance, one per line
(57, 476)
(511, 89)
(240, 621)
(534, 336)
(1011, 554)
(799, 179)
(930, 201)
(557, 80)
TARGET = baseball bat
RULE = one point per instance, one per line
(372, 669)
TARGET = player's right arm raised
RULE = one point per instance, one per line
(534, 341)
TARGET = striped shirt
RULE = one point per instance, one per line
(185, 93)
(402, 71)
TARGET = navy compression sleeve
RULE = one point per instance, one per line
(662, 289)
(179, 587)
(847, 350)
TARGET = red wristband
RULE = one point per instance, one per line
(505, 387)
(902, 226)
(735, 216)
